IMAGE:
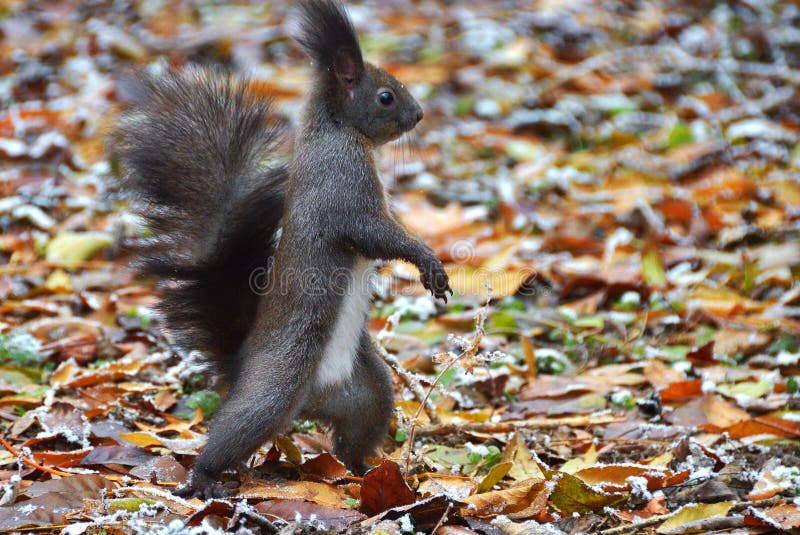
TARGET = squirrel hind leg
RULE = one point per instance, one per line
(360, 409)
(261, 403)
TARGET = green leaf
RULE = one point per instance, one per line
(464, 105)
(590, 322)
(400, 435)
(130, 505)
(449, 457)
(571, 495)
(501, 321)
(207, 400)
(680, 134)
(792, 385)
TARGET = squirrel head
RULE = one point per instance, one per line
(356, 93)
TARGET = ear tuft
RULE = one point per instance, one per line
(324, 31)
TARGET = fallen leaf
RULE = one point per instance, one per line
(310, 491)
(524, 461)
(571, 495)
(383, 488)
(529, 496)
(689, 514)
(721, 413)
(495, 475)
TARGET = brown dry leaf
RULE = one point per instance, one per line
(661, 376)
(48, 509)
(721, 413)
(333, 518)
(522, 497)
(729, 342)
(164, 400)
(689, 414)
(524, 461)
(323, 467)
(765, 425)
(78, 486)
(721, 301)
(70, 375)
(163, 468)
(175, 425)
(383, 488)
(454, 487)
(548, 386)
(786, 517)
(616, 475)
(654, 507)
(768, 485)
(617, 374)
(310, 491)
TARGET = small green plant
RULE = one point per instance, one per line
(21, 348)
(207, 400)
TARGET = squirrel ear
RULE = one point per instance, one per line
(348, 68)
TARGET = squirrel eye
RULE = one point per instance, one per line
(385, 98)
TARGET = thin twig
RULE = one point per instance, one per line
(513, 425)
(30, 462)
(414, 421)
(442, 519)
(261, 521)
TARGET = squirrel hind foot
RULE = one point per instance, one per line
(203, 487)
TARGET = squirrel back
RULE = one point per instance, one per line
(198, 164)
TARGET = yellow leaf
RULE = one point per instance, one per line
(321, 493)
(469, 280)
(693, 513)
(494, 476)
(75, 247)
(141, 439)
(58, 282)
(749, 389)
(523, 459)
(579, 463)
(288, 448)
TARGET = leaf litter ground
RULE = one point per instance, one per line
(614, 188)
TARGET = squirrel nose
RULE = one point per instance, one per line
(418, 116)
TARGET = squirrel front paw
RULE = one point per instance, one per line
(435, 280)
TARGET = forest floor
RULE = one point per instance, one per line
(614, 188)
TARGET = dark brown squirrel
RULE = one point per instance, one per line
(198, 164)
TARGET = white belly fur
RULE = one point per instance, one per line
(340, 353)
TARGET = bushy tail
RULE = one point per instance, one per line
(198, 164)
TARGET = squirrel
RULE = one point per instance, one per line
(198, 160)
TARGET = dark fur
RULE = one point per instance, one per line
(336, 218)
(324, 30)
(193, 149)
